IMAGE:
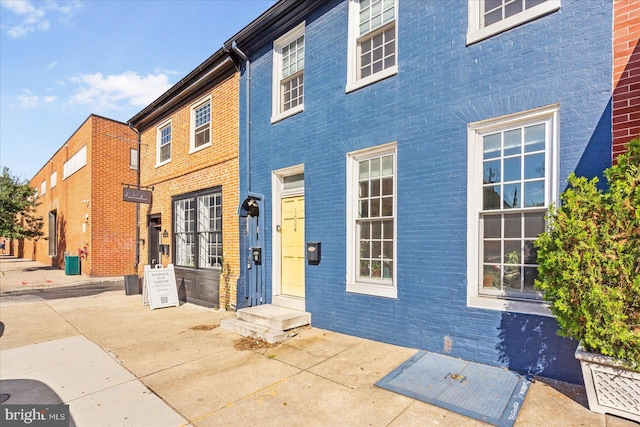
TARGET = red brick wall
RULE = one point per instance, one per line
(89, 207)
(626, 73)
(213, 166)
(113, 220)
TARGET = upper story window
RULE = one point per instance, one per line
(43, 187)
(54, 179)
(288, 74)
(489, 17)
(371, 219)
(512, 180)
(373, 43)
(201, 124)
(163, 143)
(75, 163)
(133, 159)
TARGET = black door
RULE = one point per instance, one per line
(155, 233)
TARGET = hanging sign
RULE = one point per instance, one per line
(136, 195)
(159, 287)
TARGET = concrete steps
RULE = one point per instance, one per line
(267, 322)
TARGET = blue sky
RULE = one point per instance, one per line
(61, 61)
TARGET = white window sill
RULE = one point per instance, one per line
(513, 21)
(538, 308)
(163, 163)
(290, 112)
(355, 85)
(386, 291)
(202, 147)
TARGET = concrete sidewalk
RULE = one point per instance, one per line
(20, 274)
(176, 363)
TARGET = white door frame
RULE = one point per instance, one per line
(277, 194)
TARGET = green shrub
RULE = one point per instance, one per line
(589, 261)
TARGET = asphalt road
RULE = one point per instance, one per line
(60, 292)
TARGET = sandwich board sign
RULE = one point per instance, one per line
(159, 287)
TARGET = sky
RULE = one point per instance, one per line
(61, 61)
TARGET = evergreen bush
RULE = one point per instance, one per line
(589, 261)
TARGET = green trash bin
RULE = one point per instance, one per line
(71, 265)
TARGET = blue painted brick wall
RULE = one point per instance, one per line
(442, 85)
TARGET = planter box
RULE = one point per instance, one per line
(611, 387)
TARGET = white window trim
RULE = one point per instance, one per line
(475, 33)
(352, 51)
(54, 179)
(276, 91)
(192, 127)
(75, 163)
(550, 114)
(352, 213)
(162, 125)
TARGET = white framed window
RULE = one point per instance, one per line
(54, 179)
(373, 46)
(75, 163)
(43, 187)
(512, 178)
(133, 159)
(371, 221)
(489, 17)
(198, 229)
(163, 143)
(200, 125)
(288, 74)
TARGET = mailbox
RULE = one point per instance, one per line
(313, 253)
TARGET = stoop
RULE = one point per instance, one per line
(267, 322)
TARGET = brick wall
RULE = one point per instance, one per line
(88, 204)
(213, 166)
(626, 73)
(113, 221)
(442, 86)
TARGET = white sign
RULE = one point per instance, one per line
(159, 287)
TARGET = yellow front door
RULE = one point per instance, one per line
(293, 250)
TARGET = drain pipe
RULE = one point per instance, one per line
(244, 57)
(137, 262)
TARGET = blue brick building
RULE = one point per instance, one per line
(419, 143)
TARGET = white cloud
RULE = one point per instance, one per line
(28, 100)
(27, 17)
(49, 99)
(52, 65)
(121, 90)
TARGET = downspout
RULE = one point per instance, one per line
(244, 57)
(137, 262)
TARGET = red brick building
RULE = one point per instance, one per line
(626, 73)
(80, 195)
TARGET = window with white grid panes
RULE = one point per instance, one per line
(489, 17)
(210, 230)
(288, 73)
(201, 122)
(198, 230)
(377, 37)
(514, 205)
(184, 229)
(164, 143)
(497, 10)
(375, 219)
(292, 82)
